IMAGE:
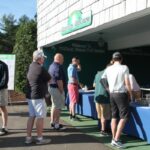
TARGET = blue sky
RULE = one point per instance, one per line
(18, 8)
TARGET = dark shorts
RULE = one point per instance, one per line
(119, 105)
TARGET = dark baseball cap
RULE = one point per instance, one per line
(116, 55)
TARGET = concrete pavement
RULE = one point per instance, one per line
(69, 139)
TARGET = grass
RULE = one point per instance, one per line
(89, 126)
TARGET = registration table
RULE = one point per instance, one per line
(86, 105)
(139, 123)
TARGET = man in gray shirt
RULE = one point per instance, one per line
(117, 76)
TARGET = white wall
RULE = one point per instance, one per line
(53, 15)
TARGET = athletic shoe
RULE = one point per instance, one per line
(43, 141)
(52, 125)
(103, 133)
(59, 127)
(117, 144)
(28, 140)
(3, 131)
(75, 118)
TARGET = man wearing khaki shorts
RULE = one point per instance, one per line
(4, 77)
(101, 99)
(56, 90)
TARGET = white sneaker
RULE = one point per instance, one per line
(43, 141)
(117, 144)
(59, 127)
(28, 140)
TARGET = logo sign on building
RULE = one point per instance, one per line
(77, 20)
(9, 59)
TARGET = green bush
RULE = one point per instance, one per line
(26, 43)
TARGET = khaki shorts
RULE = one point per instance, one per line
(58, 99)
(103, 111)
(3, 97)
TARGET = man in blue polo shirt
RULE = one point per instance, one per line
(73, 84)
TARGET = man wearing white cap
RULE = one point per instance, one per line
(37, 80)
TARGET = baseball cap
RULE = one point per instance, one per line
(116, 55)
(38, 54)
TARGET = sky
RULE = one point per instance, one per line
(18, 8)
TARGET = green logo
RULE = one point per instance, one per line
(77, 20)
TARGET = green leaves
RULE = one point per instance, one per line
(25, 45)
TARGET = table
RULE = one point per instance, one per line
(138, 124)
(86, 104)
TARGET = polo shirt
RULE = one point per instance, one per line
(57, 73)
(37, 80)
(101, 95)
(72, 73)
(115, 75)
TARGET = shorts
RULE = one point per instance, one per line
(37, 108)
(103, 111)
(3, 97)
(58, 99)
(73, 93)
(119, 105)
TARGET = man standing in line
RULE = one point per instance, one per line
(73, 84)
(102, 102)
(37, 80)
(117, 76)
(4, 77)
(56, 90)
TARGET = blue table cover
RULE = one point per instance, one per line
(139, 123)
(86, 104)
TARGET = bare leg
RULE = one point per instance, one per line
(4, 116)
(103, 124)
(52, 115)
(57, 115)
(120, 127)
(39, 126)
(30, 124)
(72, 109)
(113, 127)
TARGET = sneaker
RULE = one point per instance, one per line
(43, 141)
(52, 125)
(28, 140)
(3, 131)
(59, 127)
(70, 116)
(103, 133)
(75, 118)
(117, 144)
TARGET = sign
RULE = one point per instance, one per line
(9, 59)
(77, 20)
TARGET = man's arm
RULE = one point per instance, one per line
(128, 86)
(60, 86)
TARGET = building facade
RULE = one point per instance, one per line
(122, 23)
(92, 29)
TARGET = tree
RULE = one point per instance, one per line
(23, 19)
(8, 30)
(26, 43)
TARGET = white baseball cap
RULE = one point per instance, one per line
(38, 54)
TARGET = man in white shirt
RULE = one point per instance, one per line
(117, 76)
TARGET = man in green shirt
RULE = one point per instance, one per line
(101, 98)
